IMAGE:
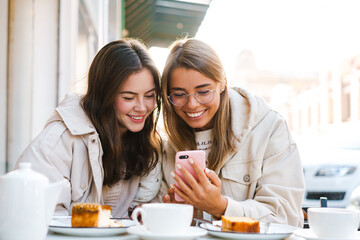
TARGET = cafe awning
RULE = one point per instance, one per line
(160, 22)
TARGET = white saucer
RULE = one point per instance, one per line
(308, 234)
(192, 233)
(271, 231)
(62, 225)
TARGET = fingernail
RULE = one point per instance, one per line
(207, 170)
(178, 166)
(167, 196)
(172, 186)
(172, 174)
(191, 161)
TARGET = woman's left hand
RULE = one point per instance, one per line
(205, 194)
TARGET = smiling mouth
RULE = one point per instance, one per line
(136, 118)
(195, 115)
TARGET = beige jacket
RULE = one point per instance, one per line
(69, 147)
(264, 178)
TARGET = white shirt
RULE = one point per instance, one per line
(204, 141)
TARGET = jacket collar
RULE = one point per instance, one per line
(246, 111)
(73, 115)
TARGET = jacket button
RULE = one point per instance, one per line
(83, 186)
(246, 178)
(93, 140)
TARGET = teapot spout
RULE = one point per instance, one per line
(52, 194)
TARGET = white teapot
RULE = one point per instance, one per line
(27, 203)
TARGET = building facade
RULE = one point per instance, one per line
(46, 48)
(334, 101)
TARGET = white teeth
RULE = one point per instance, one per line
(195, 114)
(137, 118)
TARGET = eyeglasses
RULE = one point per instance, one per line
(180, 98)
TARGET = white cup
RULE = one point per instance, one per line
(335, 223)
(164, 218)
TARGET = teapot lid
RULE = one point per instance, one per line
(25, 173)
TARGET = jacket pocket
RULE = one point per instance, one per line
(239, 180)
(243, 173)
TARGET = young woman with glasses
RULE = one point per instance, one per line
(105, 142)
(253, 164)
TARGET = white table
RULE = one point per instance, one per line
(54, 236)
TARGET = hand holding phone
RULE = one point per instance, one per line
(181, 158)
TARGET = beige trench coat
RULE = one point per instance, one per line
(264, 178)
(69, 147)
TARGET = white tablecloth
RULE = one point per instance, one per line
(54, 236)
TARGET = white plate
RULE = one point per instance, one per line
(271, 231)
(192, 233)
(309, 235)
(63, 225)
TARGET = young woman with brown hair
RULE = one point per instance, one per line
(105, 143)
(253, 164)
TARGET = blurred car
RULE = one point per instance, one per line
(334, 179)
(331, 165)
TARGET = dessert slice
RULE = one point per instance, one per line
(240, 224)
(90, 215)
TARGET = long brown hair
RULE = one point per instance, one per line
(197, 55)
(129, 153)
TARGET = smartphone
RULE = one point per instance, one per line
(182, 157)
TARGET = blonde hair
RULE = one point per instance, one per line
(197, 55)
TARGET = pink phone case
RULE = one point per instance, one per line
(182, 158)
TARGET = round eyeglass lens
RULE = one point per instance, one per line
(204, 96)
(178, 98)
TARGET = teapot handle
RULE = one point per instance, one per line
(52, 194)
